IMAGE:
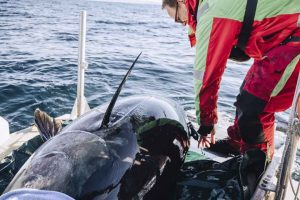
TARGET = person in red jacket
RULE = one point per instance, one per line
(273, 42)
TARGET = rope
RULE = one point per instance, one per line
(293, 189)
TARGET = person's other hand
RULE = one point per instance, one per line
(205, 140)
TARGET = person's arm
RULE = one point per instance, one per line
(215, 38)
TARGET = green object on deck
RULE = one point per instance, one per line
(192, 156)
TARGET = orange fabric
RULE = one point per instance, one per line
(193, 40)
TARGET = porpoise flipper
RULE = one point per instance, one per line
(47, 126)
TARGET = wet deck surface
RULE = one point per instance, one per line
(16, 140)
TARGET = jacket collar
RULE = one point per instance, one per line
(192, 7)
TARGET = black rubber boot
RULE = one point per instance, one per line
(225, 146)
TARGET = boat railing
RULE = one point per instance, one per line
(285, 181)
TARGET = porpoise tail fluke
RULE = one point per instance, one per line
(47, 126)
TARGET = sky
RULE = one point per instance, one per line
(134, 1)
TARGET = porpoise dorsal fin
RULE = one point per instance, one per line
(116, 95)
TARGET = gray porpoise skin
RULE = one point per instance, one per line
(136, 156)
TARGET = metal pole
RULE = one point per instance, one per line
(81, 106)
(82, 65)
(290, 148)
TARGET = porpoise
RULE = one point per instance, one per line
(127, 149)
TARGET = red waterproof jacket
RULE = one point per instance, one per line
(216, 26)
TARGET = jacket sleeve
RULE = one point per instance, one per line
(215, 39)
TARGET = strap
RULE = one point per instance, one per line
(291, 39)
(192, 131)
(247, 24)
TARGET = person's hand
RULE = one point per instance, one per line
(205, 140)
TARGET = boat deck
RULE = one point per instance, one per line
(16, 139)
